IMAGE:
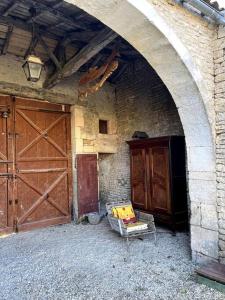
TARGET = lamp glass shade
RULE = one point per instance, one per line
(32, 68)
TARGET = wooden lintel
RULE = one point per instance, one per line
(8, 36)
(101, 40)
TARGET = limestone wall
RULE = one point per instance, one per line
(219, 58)
(143, 103)
(197, 35)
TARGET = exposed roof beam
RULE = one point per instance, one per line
(57, 3)
(49, 9)
(102, 39)
(119, 73)
(8, 36)
(9, 8)
(56, 25)
(78, 36)
(27, 27)
(50, 53)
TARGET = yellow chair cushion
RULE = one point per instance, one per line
(125, 213)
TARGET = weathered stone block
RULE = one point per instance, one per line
(209, 218)
(204, 241)
(77, 132)
(221, 32)
(106, 143)
(195, 214)
(89, 149)
(202, 191)
(79, 117)
(79, 145)
(197, 158)
(222, 245)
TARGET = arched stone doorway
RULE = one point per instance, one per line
(144, 28)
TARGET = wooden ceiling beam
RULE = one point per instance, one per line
(57, 4)
(27, 27)
(119, 73)
(9, 8)
(43, 8)
(102, 39)
(84, 36)
(7, 40)
(50, 53)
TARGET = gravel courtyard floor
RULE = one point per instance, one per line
(87, 262)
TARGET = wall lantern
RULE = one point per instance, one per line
(32, 68)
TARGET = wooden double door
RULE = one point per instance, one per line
(35, 164)
(150, 179)
(158, 178)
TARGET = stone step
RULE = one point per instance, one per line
(212, 275)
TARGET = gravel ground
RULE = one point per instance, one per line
(87, 262)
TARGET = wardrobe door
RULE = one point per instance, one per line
(160, 183)
(138, 178)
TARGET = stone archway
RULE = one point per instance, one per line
(143, 27)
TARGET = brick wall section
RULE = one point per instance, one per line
(219, 58)
(143, 103)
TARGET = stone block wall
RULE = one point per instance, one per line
(197, 35)
(100, 106)
(143, 103)
(219, 59)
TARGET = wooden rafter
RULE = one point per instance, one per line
(49, 9)
(78, 36)
(119, 73)
(9, 8)
(27, 27)
(102, 39)
(7, 39)
(50, 53)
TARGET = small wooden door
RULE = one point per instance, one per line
(6, 166)
(87, 181)
(160, 182)
(138, 178)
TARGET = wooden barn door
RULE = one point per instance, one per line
(35, 164)
(87, 181)
(6, 166)
(42, 164)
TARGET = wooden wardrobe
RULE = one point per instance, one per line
(158, 179)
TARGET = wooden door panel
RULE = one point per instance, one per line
(160, 179)
(87, 180)
(6, 166)
(43, 161)
(138, 178)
